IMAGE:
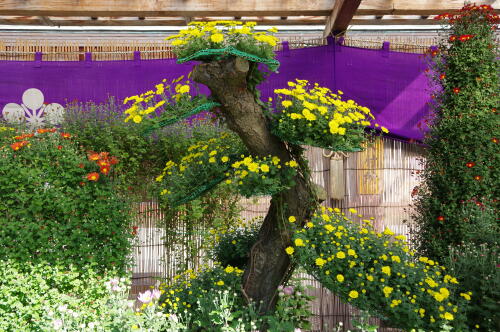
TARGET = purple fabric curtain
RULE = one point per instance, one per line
(393, 85)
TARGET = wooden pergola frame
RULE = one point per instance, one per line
(335, 15)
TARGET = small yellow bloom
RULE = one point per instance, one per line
(289, 250)
(340, 278)
(299, 243)
(353, 294)
(217, 38)
(292, 219)
(220, 283)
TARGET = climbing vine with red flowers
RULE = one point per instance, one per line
(461, 177)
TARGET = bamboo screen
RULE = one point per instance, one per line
(123, 49)
(391, 163)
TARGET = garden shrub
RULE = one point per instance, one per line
(211, 300)
(377, 272)
(463, 145)
(58, 205)
(475, 262)
(44, 297)
(232, 245)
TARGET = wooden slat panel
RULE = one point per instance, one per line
(141, 8)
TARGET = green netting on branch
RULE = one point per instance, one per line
(339, 147)
(163, 123)
(197, 192)
(272, 64)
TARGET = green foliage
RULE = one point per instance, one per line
(211, 300)
(56, 207)
(233, 246)
(202, 168)
(378, 273)
(475, 262)
(315, 116)
(45, 297)
(463, 148)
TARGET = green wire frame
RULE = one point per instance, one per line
(203, 107)
(272, 64)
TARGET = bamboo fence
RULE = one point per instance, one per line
(378, 182)
(123, 49)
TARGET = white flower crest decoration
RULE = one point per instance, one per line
(33, 110)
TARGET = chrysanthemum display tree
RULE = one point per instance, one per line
(262, 154)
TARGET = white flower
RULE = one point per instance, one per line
(145, 297)
(62, 308)
(58, 324)
(91, 325)
(156, 294)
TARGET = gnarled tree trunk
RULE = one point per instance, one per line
(269, 265)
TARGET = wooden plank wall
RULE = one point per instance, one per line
(392, 163)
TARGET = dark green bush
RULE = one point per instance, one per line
(233, 247)
(57, 206)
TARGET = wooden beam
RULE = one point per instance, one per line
(184, 8)
(416, 7)
(341, 15)
(45, 20)
(319, 20)
(394, 22)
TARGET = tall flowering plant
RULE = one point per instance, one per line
(462, 163)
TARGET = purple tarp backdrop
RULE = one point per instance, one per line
(393, 85)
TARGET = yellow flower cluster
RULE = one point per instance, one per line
(220, 33)
(184, 290)
(146, 103)
(314, 115)
(383, 272)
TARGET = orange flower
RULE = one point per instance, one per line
(477, 177)
(65, 135)
(456, 90)
(113, 160)
(440, 218)
(103, 162)
(494, 140)
(105, 170)
(453, 38)
(93, 156)
(94, 176)
(442, 76)
(51, 130)
(103, 155)
(16, 146)
(41, 131)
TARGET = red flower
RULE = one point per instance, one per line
(105, 170)
(41, 131)
(93, 156)
(51, 130)
(442, 76)
(477, 177)
(103, 155)
(456, 90)
(494, 140)
(65, 135)
(82, 183)
(434, 53)
(94, 176)
(134, 230)
(452, 38)
(80, 165)
(59, 147)
(440, 218)
(470, 164)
